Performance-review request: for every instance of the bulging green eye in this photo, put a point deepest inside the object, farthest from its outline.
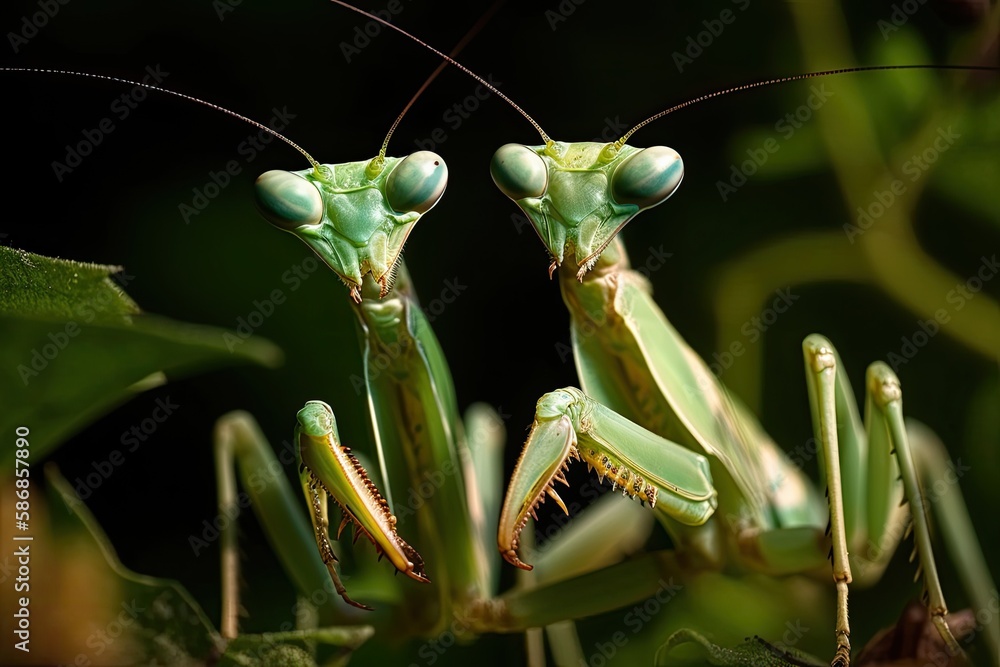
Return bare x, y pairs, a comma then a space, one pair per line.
648, 177
417, 183
519, 172
287, 200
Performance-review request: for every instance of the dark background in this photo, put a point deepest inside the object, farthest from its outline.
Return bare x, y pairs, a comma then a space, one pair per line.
606, 60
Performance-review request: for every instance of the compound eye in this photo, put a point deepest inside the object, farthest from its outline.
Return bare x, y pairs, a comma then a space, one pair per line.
648, 177
519, 172
417, 183
287, 200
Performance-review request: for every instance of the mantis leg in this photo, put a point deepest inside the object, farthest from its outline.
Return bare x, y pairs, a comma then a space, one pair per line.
238, 440
316, 500
569, 425
940, 476
861, 469
482, 463
821, 372
673, 480
589, 594
889, 450
631, 359
327, 470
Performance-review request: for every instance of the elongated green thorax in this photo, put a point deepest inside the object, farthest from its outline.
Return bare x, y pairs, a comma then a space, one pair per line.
356, 216
568, 425
578, 196
418, 437
342, 477
633, 361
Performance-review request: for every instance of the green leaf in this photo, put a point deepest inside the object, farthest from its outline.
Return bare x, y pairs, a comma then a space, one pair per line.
36, 287
75, 346
754, 652
279, 649
165, 624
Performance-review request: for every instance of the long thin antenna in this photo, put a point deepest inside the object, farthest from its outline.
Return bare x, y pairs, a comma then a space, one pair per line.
316, 165
473, 31
796, 77
451, 60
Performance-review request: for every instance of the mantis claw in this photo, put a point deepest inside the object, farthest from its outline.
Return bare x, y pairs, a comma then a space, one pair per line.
511, 557
559, 501
552, 267
332, 471
343, 524
343, 591
569, 425
385, 286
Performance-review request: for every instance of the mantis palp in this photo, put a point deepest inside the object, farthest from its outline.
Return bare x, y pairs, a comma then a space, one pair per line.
504, 254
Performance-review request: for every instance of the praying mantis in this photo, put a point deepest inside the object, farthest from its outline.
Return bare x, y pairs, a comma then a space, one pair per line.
498, 256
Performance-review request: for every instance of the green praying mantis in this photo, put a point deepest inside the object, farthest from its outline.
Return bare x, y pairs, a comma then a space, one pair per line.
698, 381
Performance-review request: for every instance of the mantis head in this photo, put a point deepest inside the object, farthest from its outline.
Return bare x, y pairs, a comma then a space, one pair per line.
356, 216
578, 196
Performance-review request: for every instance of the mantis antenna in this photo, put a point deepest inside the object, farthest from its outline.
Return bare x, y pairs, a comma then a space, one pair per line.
33, 70
449, 59
377, 163
784, 79
621, 142
473, 31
